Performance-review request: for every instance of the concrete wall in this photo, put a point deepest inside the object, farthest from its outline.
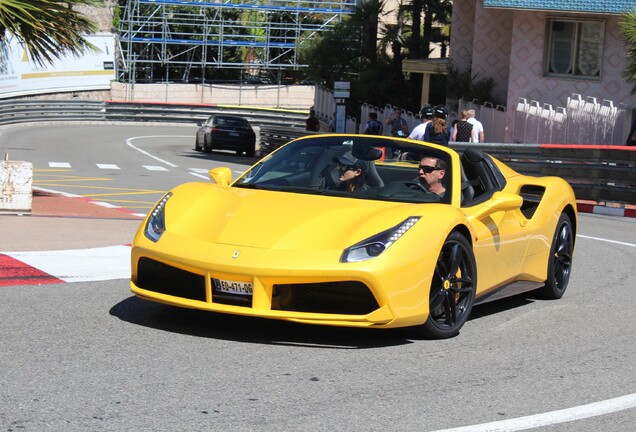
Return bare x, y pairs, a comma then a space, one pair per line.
269, 96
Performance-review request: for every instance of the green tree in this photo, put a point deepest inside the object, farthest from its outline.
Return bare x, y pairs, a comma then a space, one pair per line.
48, 29
628, 29
436, 12
394, 39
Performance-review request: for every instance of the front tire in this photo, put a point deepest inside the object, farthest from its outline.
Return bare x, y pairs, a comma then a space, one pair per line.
560, 261
452, 292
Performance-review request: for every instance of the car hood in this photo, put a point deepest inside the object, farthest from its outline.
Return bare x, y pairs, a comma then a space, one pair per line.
281, 220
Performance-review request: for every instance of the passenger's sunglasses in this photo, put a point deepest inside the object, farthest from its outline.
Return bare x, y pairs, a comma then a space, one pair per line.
428, 169
345, 168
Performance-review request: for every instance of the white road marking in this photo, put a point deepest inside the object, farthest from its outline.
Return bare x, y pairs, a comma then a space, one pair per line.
59, 165
546, 419
129, 143
199, 175
80, 265
155, 168
607, 241
107, 166
105, 204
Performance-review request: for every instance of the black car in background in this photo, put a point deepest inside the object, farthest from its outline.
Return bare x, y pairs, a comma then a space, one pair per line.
226, 132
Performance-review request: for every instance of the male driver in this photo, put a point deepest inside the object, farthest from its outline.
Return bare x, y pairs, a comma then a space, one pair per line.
431, 172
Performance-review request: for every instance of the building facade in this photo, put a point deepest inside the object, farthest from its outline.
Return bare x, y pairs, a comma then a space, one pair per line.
544, 51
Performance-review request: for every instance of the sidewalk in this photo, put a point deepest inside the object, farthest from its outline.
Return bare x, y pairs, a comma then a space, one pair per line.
60, 222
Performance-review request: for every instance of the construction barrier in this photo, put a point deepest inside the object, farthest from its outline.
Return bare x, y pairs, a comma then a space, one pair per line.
16, 180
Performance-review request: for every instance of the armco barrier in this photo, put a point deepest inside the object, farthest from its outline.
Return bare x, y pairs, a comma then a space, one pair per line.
273, 137
598, 173
27, 110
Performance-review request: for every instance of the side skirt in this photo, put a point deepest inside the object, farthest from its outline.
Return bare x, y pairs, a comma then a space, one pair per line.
508, 290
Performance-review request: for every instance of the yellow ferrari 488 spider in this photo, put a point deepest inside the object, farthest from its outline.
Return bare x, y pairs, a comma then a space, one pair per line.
324, 231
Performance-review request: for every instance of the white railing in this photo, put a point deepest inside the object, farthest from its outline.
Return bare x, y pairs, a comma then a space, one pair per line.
580, 122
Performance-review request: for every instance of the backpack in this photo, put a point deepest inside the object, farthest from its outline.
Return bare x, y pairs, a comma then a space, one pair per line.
374, 127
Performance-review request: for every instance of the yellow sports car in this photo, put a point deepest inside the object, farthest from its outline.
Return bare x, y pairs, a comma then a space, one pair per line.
325, 231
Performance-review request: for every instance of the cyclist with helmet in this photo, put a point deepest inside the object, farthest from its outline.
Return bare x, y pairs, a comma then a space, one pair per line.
437, 130
426, 115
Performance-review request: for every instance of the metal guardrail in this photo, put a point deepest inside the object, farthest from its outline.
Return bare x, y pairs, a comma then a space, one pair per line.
599, 173
29, 110
273, 137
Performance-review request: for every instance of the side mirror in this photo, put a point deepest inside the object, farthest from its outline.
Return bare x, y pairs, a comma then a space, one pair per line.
221, 176
500, 201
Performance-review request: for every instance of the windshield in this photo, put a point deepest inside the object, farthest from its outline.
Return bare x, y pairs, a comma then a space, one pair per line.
351, 166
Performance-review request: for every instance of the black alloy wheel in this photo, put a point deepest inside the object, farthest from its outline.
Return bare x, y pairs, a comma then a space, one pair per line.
560, 260
452, 292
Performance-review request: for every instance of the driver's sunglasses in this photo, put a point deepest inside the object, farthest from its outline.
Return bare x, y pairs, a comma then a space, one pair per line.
428, 169
345, 168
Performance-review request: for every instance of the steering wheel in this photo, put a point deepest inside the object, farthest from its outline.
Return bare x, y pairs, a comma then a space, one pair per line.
416, 186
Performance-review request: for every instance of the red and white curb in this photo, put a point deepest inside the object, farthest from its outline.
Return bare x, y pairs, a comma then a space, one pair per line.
605, 210
73, 265
92, 201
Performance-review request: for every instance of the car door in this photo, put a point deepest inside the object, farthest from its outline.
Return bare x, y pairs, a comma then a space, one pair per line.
500, 238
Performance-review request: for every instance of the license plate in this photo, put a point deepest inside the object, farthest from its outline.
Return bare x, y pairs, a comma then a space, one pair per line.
233, 287
234, 134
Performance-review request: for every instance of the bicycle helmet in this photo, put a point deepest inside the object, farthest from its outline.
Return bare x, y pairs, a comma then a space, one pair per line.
440, 111
426, 112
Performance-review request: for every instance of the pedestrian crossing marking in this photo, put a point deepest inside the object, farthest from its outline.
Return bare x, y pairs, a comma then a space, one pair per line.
155, 168
107, 166
59, 165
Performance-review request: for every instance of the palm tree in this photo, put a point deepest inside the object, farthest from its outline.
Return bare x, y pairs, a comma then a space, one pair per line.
48, 29
394, 38
435, 11
367, 15
628, 28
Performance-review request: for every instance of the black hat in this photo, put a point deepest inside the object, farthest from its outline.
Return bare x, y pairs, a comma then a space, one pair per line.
426, 112
441, 111
348, 160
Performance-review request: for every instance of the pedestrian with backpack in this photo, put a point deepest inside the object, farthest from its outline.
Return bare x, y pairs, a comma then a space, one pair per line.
373, 126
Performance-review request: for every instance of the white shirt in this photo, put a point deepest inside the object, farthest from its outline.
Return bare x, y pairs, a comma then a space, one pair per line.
418, 131
478, 128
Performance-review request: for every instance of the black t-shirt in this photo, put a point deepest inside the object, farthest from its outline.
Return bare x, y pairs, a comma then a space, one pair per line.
464, 131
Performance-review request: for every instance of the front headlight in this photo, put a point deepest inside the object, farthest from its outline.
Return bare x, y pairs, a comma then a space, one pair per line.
375, 245
156, 224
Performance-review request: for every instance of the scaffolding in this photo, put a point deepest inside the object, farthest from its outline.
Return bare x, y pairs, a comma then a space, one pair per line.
200, 41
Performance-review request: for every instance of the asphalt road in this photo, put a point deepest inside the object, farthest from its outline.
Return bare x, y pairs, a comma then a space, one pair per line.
91, 357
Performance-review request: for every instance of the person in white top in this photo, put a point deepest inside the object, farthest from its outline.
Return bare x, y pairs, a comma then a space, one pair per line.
426, 114
478, 128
